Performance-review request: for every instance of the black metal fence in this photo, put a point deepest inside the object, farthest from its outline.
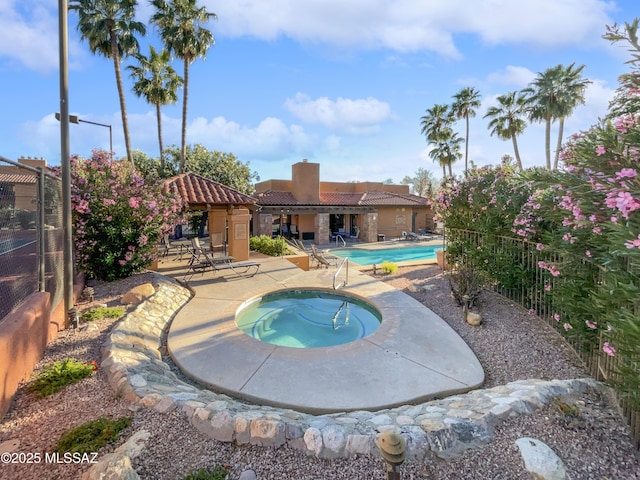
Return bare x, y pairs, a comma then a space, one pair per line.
513, 268
31, 233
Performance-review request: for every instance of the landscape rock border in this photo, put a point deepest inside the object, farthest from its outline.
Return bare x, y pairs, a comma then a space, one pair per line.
445, 428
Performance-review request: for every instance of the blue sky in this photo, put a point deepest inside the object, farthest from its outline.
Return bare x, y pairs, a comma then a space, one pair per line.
339, 83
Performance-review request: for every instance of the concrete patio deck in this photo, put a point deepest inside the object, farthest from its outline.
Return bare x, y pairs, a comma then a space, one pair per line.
413, 357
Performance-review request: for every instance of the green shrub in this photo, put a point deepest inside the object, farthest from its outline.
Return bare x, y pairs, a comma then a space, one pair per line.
218, 473
92, 436
269, 246
57, 375
389, 267
98, 313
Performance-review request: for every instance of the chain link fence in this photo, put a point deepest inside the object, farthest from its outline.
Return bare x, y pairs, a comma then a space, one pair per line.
31, 233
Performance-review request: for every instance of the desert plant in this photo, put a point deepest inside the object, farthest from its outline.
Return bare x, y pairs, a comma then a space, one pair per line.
55, 376
98, 313
217, 473
466, 285
92, 436
389, 267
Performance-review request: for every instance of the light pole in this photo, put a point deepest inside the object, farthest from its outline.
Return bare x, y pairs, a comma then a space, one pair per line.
75, 119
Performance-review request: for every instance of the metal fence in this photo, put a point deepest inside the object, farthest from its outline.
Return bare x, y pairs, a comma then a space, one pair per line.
31, 234
513, 271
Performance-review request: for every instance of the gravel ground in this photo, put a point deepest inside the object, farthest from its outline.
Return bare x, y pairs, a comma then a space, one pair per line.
511, 345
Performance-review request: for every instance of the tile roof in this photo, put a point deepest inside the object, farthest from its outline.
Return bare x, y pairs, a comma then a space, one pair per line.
339, 198
388, 198
271, 198
194, 189
276, 198
17, 178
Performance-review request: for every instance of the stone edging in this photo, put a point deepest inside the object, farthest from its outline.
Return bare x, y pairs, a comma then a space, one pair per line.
445, 428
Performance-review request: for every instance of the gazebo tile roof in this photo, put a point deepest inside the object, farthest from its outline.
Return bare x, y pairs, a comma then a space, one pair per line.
194, 189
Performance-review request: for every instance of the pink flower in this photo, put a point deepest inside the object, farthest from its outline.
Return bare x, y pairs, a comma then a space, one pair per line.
547, 288
539, 246
608, 349
556, 317
626, 172
588, 253
633, 243
591, 325
600, 150
567, 326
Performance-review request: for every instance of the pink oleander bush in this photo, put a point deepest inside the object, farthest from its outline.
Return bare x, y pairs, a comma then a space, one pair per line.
118, 218
581, 224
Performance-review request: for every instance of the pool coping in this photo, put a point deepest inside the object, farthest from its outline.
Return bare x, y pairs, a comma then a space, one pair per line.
400, 363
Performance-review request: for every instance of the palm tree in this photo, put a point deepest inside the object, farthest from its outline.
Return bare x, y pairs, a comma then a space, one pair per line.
156, 81
570, 95
110, 29
436, 118
507, 119
446, 150
436, 127
180, 23
466, 100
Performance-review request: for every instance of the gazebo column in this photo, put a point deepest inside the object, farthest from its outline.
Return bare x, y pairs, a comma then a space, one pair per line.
217, 227
239, 219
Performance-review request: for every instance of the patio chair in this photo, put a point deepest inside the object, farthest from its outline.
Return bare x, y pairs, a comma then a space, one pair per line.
322, 259
201, 262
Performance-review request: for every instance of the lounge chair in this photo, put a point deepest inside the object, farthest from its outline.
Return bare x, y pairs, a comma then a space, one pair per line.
167, 246
202, 262
323, 259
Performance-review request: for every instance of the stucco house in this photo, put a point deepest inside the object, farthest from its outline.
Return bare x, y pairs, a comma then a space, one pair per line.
311, 209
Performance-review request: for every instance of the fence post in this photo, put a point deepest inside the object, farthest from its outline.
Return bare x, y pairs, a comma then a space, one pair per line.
40, 230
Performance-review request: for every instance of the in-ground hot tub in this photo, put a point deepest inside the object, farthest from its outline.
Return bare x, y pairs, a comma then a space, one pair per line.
412, 357
308, 318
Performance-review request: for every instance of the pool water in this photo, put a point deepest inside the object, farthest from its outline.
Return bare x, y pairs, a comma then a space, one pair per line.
308, 318
363, 256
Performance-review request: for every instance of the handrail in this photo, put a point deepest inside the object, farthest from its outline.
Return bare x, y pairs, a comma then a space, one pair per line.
344, 243
346, 278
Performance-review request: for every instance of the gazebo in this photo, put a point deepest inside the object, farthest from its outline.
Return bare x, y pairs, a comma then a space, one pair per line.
228, 216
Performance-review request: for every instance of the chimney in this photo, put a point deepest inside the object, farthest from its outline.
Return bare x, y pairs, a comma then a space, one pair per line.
305, 179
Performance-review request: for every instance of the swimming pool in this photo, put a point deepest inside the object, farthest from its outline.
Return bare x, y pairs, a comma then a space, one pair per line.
307, 318
376, 256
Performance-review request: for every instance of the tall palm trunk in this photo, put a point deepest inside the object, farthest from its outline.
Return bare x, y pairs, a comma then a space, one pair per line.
159, 119
450, 171
516, 151
466, 149
547, 142
559, 144
123, 106
185, 99
444, 171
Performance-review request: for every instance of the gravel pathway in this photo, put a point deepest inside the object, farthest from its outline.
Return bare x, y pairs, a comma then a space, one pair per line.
511, 345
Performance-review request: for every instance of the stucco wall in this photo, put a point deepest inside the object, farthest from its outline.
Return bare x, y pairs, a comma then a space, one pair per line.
24, 335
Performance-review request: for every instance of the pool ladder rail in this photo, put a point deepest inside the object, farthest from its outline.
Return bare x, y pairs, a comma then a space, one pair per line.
344, 262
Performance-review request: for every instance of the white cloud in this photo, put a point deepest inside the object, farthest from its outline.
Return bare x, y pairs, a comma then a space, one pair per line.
518, 77
26, 33
357, 116
270, 138
407, 25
